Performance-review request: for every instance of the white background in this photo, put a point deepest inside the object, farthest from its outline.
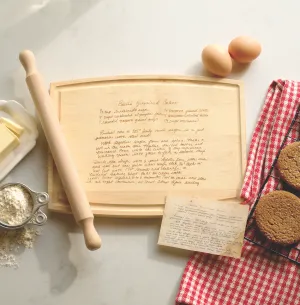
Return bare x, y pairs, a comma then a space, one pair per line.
90, 38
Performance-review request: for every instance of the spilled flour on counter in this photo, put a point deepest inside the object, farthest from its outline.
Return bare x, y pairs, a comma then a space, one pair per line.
11, 242
15, 207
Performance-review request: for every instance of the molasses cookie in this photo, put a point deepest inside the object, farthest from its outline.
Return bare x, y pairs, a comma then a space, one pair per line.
288, 165
278, 217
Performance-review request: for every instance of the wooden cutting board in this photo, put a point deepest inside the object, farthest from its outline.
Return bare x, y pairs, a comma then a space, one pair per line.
137, 139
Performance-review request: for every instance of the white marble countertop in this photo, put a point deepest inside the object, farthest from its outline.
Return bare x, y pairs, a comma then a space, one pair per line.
90, 38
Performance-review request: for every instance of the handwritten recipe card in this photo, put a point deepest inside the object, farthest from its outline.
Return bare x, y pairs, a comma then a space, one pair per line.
138, 142
215, 227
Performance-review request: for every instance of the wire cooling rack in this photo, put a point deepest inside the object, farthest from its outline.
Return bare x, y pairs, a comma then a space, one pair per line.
252, 233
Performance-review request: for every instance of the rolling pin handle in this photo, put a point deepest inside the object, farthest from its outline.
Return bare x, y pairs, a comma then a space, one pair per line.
91, 236
27, 60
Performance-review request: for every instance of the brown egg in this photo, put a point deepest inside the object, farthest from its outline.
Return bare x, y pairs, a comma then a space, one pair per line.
217, 60
244, 49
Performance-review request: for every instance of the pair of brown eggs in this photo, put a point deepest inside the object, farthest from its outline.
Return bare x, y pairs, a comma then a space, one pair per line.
218, 60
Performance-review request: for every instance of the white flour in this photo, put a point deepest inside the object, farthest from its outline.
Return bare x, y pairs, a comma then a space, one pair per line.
15, 207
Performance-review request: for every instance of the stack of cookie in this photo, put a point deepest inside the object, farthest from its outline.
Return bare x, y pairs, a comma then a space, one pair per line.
278, 213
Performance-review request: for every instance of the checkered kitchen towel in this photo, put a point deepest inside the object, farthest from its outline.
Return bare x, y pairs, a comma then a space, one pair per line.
259, 277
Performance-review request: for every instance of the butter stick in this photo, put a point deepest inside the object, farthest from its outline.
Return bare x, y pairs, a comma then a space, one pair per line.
8, 141
12, 126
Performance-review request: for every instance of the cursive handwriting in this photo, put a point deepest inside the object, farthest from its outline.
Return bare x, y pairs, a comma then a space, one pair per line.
205, 226
150, 111
139, 156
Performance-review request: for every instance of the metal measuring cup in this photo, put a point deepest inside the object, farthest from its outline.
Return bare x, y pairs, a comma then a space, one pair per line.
39, 200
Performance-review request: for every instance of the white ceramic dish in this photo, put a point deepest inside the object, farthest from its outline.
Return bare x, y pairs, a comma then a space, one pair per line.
16, 112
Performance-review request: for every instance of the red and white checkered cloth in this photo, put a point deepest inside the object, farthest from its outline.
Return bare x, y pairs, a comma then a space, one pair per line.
259, 277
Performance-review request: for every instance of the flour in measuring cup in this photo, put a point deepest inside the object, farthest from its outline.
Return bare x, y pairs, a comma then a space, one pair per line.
15, 205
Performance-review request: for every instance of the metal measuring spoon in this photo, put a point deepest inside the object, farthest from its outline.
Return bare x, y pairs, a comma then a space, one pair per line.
39, 200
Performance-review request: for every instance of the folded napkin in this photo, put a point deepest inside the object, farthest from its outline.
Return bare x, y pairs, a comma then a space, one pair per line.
259, 277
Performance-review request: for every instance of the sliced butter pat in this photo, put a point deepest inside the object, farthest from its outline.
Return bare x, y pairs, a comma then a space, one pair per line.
8, 141
14, 127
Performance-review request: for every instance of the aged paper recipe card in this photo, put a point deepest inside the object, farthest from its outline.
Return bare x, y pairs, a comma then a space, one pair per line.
210, 226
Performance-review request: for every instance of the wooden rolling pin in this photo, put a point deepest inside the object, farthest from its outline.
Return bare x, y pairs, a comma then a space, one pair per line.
60, 152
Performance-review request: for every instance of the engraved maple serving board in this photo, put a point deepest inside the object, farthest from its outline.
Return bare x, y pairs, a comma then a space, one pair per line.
137, 139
